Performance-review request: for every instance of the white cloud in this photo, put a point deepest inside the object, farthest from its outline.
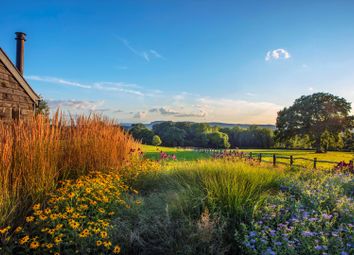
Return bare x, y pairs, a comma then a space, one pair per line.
145, 54
57, 81
277, 54
179, 114
140, 115
76, 105
123, 87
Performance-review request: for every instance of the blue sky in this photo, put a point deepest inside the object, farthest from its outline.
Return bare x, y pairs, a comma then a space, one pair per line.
199, 60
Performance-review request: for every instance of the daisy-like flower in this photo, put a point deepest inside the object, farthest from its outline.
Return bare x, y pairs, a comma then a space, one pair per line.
29, 219
34, 245
24, 240
116, 249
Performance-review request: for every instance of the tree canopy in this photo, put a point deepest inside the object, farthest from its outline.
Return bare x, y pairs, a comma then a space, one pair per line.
321, 117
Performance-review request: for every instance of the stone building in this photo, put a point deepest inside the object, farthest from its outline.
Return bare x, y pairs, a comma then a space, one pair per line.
17, 98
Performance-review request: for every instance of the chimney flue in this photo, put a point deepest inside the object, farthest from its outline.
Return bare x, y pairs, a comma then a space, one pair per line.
20, 47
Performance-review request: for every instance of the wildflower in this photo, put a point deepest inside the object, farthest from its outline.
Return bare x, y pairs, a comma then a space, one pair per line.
49, 245
71, 195
4, 230
36, 207
58, 239
69, 209
116, 249
103, 234
74, 224
84, 233
24, 240
98, 243
107, 244
18, 229
138, 202
29, 219
43, 217
34, 245
47, 211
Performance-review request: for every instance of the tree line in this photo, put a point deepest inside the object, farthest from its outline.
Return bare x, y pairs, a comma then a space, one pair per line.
202, 135
319, 121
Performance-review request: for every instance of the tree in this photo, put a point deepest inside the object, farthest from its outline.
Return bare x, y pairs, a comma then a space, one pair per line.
142, 133
218, 139
319, 116
156, 140
42, 107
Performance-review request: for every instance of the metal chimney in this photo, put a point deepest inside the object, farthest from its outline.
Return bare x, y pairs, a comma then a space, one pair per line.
20, 48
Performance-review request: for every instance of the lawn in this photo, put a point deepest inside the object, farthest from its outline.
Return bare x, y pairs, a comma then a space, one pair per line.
153, 152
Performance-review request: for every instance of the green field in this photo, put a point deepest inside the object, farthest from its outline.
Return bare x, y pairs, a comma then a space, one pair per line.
299, 156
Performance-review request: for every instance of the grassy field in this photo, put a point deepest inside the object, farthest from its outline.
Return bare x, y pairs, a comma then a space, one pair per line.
153, 152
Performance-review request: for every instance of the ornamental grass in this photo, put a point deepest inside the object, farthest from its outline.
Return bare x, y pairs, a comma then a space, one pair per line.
36, 153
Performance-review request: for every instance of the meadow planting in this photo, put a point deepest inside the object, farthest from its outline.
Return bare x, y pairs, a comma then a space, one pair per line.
86, 187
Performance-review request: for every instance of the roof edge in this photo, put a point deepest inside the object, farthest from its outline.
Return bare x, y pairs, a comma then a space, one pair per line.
18, 76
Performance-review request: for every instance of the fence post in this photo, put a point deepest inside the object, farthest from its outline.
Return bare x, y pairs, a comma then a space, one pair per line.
251, 155
314, 163
260, 157
274, 160
351, 165
291, 160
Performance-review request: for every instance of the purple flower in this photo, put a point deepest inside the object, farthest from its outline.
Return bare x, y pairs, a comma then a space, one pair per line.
318, 247
327, 216
253, 233
307, 233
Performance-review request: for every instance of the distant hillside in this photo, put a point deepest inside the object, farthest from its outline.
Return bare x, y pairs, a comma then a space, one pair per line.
213, 124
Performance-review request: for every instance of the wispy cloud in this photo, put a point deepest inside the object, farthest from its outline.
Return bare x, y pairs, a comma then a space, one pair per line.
147, 55
139, 115
57, 81
76, 105
179, 114
277, 54
128, 88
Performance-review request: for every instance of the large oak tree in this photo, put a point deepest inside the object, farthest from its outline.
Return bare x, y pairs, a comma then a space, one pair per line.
317, 116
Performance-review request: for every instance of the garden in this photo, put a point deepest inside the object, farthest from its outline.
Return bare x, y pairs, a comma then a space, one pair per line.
85, 186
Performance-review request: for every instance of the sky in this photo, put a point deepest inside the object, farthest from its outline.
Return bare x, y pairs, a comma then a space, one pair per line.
193, 60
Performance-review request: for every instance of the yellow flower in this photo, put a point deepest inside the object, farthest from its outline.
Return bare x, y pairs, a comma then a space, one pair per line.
58, 239
43, 217
47, 211
103, 234
137, 202
24, 240
69, 209
107, 244
56, 253
36, 207
4, 230
88, 190
34, 245
51, 231
49, 245
53, 216
18, 229
111, 213
101, 210
116, 249
38, 212
29, 218
74, 225
98, 243
59, 226
71, 195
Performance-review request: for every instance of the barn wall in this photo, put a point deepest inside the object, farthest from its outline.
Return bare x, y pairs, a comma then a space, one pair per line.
14, 101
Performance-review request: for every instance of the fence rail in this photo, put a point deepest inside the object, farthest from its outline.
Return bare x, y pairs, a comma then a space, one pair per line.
274, 158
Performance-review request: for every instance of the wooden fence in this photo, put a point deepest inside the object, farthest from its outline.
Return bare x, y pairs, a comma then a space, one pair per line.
273, 158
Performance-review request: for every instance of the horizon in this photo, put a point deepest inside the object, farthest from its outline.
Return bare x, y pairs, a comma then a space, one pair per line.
201, 61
